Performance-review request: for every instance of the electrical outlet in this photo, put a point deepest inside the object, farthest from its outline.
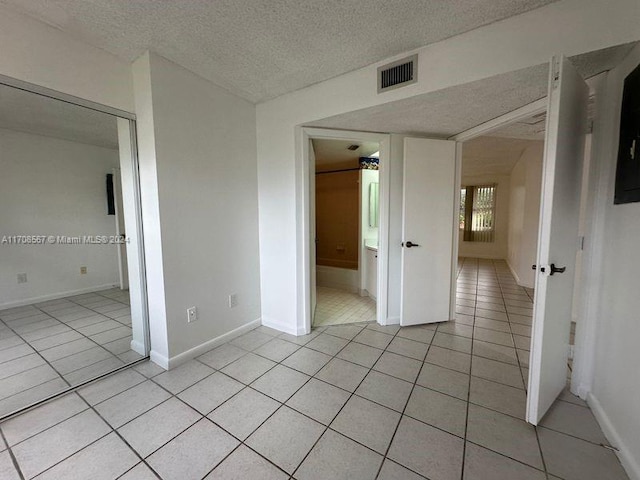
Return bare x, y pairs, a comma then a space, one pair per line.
233, 300
192, 314
22, 278
83, 270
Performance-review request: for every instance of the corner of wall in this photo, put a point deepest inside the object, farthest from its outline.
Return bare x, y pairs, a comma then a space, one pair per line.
626, 457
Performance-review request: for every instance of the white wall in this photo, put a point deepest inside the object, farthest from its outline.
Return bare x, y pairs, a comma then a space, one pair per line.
35, 52
611, 324
367, 177
497, 248
518, 42
524, 214
54, 187
368, 234
200, 140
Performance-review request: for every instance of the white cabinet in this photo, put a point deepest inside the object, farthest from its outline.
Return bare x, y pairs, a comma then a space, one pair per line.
372, 271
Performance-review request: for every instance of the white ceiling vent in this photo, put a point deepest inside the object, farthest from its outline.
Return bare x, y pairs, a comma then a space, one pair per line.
398, 74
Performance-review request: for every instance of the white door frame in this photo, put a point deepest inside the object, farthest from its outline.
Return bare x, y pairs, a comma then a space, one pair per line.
303, 220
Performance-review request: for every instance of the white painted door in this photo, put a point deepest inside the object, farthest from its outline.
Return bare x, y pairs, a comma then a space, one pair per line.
428, 229
312, 234
558, 236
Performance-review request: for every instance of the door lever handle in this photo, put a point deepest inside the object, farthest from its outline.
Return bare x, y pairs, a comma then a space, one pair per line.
410, 244
555, 269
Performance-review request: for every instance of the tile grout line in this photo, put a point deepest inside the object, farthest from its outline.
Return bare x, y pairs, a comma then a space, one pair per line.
466, 421
526, 386
46, 362
344, 404
283, 404
13, 458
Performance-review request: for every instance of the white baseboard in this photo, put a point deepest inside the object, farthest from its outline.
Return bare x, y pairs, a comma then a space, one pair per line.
516, 277
55, 296
513, 272
137, 347
159, 359
282, 327
393, 321
184, 357
630, 464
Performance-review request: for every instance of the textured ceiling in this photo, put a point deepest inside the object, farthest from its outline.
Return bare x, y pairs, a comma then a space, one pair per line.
261, 49
528, 129
335, 154
453, 110
492, 155
32, 113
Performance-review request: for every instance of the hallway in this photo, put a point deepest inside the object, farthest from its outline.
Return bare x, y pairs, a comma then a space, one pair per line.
444, 402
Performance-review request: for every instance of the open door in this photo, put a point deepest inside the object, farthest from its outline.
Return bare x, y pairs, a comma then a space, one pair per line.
428, 226
312, 234
558, 236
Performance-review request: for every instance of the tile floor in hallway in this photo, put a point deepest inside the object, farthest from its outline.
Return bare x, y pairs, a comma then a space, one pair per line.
351, 402
49, 346
334, 306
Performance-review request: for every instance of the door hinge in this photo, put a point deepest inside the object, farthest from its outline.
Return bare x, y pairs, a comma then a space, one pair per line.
556, 73
581, 243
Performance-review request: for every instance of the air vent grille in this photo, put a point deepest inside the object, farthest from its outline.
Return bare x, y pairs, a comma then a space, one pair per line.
398, 74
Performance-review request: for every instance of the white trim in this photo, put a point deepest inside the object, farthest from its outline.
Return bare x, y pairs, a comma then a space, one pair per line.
56, 296
393, 320
457, 182
183, 357
283, 327
604, 143
159, 359
65, 97
303, 256
514, 274
138, 347
630, 464
521, 113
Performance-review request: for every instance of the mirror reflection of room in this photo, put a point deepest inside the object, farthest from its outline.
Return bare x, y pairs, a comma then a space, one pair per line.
68, 242
347, 216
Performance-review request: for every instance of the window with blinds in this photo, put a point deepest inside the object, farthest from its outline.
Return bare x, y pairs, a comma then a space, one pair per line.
477, 213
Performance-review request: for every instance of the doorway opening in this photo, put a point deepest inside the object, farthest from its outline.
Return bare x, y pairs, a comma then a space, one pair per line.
498, 223
346, 224
345, 227
511, 173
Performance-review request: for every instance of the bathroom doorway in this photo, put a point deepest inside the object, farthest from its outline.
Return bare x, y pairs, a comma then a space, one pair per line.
347, 227
347, 220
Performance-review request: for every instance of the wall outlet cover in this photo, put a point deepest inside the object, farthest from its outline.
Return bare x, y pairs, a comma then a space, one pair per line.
233, 300
192, 314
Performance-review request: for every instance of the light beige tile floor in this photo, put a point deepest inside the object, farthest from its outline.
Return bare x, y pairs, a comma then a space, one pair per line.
345, 402
47, 347
335, 307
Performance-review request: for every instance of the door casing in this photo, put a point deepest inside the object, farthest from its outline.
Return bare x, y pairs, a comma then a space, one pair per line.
304, 230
